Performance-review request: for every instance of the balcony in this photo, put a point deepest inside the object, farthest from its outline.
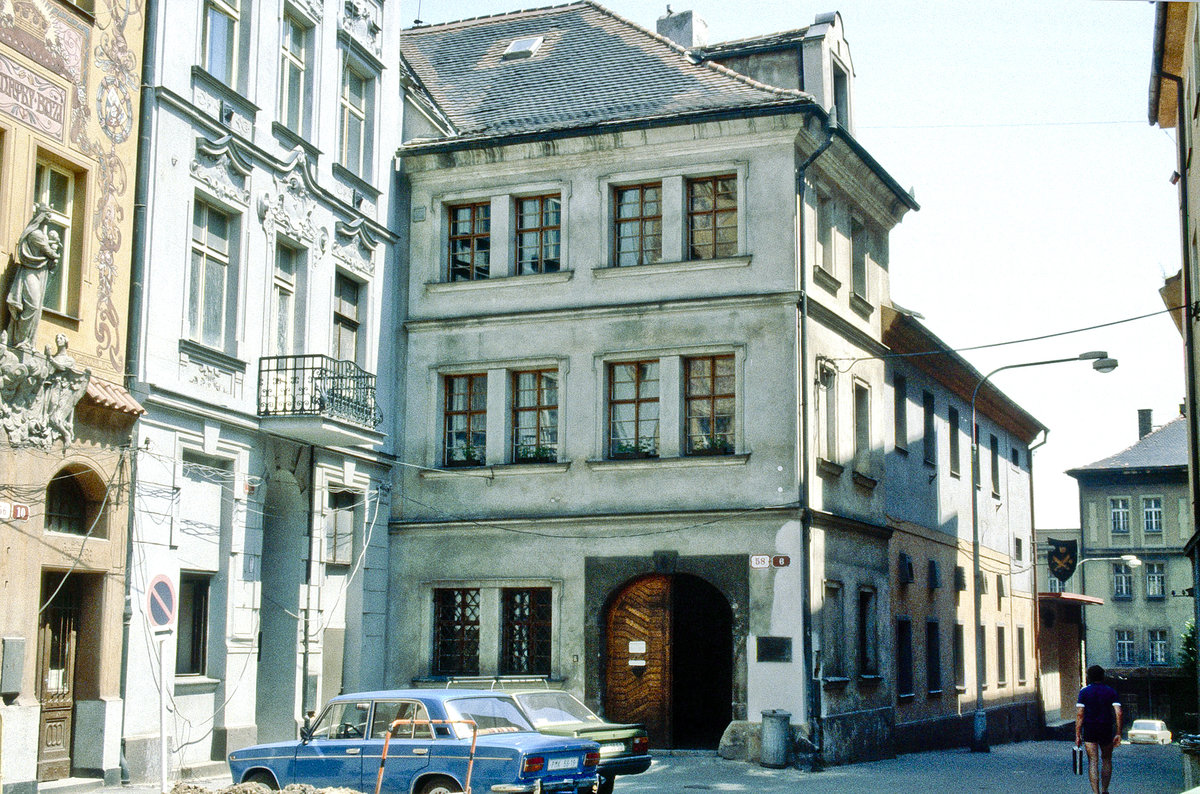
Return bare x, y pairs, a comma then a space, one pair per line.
318, 400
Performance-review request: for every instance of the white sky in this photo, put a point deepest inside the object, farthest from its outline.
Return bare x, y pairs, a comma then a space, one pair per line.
1046, 204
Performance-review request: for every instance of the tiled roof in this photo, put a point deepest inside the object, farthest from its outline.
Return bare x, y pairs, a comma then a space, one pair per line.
1165, 447
593, 68
110, 395
768, 41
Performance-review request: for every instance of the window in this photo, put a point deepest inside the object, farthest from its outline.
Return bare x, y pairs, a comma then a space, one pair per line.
66, 505
900, 396
293, 74
952, 431
465, 420
191, 648
1156, 580
1152, 514
345, 318
1122, 581
827, 408
470, 241
904, 659
344, 720
825, 259
1019, 549
862, 426
355, 121
525, 631
858, 259
833, 618
934, 575
633, 410
211, 281
712, 217
539, 220
1056, 584
388, 711
1124, 646
287, 310
960, 578
933, 657
339, 527
1015, 456
959, 653
1119, 511
1158, 646
709, 403
868, 647
456, 631
221, 40
54, 188
535, 416
1020, 654
841, 95
1001, 657
906, 571
638, 217
994, 449
929, 429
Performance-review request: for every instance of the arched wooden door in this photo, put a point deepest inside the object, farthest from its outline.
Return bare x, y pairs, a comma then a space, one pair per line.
669, 660
58, 637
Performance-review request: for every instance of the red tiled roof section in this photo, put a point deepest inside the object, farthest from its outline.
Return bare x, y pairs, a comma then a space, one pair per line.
112, 396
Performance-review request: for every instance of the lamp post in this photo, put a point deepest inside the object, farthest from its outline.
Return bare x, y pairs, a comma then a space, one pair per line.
1101, 363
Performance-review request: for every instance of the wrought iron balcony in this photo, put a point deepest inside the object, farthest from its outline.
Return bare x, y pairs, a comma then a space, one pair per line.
318, 399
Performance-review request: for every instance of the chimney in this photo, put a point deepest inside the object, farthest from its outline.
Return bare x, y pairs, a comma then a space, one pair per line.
1145, 424
683, 28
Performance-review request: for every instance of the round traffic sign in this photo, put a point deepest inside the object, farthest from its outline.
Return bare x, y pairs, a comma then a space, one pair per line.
160, 601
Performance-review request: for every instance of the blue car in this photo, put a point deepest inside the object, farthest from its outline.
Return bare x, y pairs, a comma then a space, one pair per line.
446, 740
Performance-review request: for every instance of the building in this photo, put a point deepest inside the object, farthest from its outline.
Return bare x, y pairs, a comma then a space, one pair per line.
263, 468
1136, 502
645, 459
68, 142
928, 485
1173, 104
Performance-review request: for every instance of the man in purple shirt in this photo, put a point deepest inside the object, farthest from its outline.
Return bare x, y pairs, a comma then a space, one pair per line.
1098, 727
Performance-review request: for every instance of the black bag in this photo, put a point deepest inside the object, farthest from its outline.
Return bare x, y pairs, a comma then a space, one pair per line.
1078, 760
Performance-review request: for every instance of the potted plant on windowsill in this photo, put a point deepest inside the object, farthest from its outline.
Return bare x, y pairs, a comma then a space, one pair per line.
646, 448
711, 445
536, 454
466, 455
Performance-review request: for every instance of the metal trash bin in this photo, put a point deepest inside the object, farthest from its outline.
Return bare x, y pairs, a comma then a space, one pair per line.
776, 738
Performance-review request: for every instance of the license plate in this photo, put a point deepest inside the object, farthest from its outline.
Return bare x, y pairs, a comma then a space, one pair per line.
555, 764
612, 749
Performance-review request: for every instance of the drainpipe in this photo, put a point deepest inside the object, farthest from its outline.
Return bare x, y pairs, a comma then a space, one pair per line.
305, 705
1033, 560
1189, 333
137, 255
814, 687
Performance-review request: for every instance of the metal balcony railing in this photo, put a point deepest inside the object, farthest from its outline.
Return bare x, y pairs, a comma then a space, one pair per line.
315, 385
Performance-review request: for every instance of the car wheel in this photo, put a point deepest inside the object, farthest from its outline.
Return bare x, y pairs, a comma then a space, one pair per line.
606, 785
262, 778
441, 785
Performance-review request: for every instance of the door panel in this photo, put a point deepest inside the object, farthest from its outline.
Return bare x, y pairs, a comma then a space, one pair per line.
638, 667
58, 633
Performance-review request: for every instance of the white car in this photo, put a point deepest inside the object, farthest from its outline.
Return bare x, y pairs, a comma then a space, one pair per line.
1149, 732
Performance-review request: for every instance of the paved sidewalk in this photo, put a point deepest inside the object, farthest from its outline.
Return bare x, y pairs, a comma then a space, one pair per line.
1022, 767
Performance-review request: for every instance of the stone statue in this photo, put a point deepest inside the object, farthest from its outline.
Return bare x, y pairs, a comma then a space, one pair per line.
38, 253
63, 387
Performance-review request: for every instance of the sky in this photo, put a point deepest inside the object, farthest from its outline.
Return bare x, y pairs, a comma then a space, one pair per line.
1046, 201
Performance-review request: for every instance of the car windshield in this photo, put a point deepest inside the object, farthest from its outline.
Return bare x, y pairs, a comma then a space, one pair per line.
497, 714
554, 708
1145, 725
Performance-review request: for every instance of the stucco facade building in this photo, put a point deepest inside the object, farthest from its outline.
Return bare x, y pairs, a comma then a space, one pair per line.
263, 475
68, 140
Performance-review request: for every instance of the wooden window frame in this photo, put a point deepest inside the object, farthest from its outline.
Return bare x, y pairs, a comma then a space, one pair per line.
293, 62
545, 236
343, 320
545, 450
704, 406
356, 162
640, 449
478, 241
339, 501
204, 250
473, 416
644, 252
231, 10
715, 215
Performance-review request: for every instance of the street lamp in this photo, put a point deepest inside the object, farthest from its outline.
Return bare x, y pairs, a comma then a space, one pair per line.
1101, 363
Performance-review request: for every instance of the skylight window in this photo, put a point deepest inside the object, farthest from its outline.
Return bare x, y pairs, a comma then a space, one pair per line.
523, 48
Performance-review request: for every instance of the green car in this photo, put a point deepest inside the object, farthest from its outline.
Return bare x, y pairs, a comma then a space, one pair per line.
624, 749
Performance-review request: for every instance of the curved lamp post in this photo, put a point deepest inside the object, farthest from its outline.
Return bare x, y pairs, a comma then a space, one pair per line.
1101, 363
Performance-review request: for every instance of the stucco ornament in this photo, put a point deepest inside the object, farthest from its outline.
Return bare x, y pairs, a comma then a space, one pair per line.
289, 208
38, 394
38, 253
361, 20
354, 246
221, 166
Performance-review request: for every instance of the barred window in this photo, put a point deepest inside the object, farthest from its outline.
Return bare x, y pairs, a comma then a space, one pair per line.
456, 631
525, 631
66, 505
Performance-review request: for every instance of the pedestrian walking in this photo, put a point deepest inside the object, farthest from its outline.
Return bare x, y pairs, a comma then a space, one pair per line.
1098, 727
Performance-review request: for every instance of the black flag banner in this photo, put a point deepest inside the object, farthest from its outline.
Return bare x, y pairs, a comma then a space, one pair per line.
1063, 557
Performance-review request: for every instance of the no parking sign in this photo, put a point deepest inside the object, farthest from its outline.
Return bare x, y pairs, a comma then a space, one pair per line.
160, 601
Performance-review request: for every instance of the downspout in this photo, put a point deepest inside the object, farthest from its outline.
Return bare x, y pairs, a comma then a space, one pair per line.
137, 255
1037, 617
814, 687
1189, 334
305, 705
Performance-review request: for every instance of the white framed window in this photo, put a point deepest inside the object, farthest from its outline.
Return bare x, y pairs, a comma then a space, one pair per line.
1122, 581
221, 22
1156, 580
355, 108
212, 296
54, 187
343, 514
294, 55
862, 426
859, 245
1123, 639
1118, 508
827, 410
288, 303
1152, 515
825, 259
1158, 646
347, 318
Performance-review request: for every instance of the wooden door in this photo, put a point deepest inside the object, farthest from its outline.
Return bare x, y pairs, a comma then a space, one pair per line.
58, 633
638, 665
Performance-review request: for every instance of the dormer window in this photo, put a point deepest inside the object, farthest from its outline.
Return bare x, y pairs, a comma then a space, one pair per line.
523, 48
841, 95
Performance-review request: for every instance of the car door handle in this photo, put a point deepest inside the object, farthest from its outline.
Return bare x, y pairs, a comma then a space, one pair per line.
420, 751
353, 750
